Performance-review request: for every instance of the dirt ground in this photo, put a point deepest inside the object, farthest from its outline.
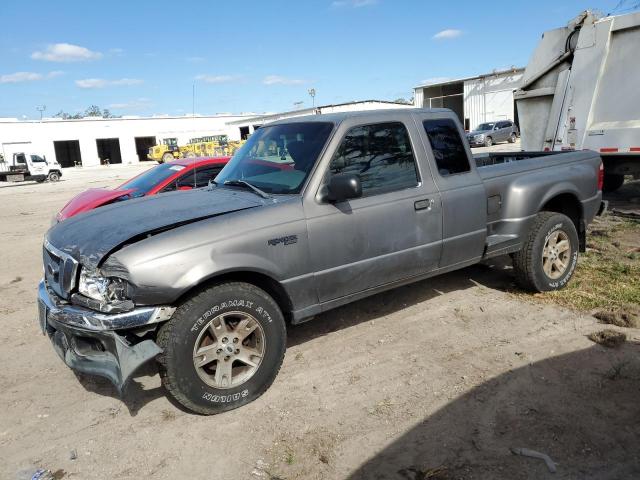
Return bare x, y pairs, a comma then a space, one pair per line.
435, 380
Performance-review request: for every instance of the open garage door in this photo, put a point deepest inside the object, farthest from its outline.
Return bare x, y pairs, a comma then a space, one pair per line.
109, 150
68, 153
143, 144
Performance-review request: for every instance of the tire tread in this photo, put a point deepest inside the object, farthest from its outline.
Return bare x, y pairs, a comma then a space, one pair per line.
523, 259
166, 332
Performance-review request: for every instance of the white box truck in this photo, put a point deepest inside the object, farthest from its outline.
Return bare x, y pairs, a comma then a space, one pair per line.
20, 166
581, 90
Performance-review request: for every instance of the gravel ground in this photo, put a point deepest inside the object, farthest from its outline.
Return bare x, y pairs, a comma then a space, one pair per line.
435, 380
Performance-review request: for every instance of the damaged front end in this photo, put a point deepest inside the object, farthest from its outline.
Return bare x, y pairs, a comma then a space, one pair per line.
92, 323
108, 345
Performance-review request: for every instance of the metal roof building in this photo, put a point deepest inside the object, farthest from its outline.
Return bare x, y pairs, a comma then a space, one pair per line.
89, 141
476, 99
246, 126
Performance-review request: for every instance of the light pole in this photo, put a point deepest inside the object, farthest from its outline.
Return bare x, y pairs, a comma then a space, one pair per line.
41, 108
312, 94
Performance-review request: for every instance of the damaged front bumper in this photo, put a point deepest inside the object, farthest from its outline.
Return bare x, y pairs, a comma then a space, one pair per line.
93, 342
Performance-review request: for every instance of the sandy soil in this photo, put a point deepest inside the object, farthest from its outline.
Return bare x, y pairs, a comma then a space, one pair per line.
435, 380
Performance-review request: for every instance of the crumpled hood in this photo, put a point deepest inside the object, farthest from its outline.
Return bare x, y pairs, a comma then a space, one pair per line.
90, 236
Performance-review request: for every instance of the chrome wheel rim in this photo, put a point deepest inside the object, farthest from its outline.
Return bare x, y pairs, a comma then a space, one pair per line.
229, 350
556, 255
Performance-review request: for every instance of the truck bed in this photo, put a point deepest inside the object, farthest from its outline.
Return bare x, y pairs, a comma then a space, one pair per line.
492, 165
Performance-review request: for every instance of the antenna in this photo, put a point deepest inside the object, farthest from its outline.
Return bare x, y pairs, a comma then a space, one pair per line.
41, 108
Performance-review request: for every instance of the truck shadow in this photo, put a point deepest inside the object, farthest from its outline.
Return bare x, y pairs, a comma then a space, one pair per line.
494, 274
580, 408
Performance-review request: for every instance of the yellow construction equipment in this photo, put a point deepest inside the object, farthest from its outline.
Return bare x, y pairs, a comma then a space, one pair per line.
166, 151
210, 146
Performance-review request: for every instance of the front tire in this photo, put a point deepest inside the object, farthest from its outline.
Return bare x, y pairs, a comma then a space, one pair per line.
549, 255
222, 348
53, 176
167, 157
512, 138
488, 142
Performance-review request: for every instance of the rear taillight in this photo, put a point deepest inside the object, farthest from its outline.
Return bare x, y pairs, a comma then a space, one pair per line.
601, 177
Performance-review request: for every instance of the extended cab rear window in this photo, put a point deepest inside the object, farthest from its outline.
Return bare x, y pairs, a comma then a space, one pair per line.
447, 146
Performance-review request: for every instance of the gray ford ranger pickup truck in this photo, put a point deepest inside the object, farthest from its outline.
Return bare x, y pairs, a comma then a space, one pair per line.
310, 214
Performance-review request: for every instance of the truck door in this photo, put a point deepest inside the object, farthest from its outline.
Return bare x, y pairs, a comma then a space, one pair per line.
464, 201
37, 165
390, 233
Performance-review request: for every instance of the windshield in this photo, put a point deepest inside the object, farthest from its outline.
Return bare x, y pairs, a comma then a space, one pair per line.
149, 179
37, 159
278, 159
486, 126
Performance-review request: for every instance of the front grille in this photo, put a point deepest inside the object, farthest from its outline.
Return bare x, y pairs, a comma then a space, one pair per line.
60, 270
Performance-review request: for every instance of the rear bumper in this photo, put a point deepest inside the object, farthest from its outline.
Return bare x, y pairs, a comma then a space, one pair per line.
87, 342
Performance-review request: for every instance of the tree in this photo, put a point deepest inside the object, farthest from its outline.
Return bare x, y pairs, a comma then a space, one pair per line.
91, 111
404, 100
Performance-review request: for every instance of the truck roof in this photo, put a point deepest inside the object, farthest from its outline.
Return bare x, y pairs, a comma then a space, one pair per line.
339, 117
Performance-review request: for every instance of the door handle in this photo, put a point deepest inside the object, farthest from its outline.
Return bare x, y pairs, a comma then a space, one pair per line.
425, 204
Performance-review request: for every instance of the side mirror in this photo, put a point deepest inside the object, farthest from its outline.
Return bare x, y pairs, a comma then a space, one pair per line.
341, 187
185, 187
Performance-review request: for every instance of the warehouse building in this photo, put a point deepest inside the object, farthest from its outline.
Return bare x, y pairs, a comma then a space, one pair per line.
475, 100
246, 126
93, 141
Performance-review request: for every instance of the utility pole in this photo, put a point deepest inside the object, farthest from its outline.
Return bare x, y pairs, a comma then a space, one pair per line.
41, 108
312, 94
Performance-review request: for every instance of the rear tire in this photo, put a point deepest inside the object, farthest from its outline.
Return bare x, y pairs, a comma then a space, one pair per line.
208, 364
488, 142
549, 255
167, 157
612, 182
190, 155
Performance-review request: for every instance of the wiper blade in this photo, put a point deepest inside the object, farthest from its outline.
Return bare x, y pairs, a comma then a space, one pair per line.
244, 183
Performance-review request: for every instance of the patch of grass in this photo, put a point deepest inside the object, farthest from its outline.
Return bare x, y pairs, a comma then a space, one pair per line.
608, 338
608, 274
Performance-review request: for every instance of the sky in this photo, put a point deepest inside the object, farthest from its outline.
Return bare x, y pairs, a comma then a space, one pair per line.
140, 57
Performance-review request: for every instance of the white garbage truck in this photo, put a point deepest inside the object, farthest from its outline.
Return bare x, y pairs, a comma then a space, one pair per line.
581, 90
21, 166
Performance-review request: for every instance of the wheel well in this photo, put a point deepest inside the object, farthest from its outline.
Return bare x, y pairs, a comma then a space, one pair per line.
569, 205
264, 282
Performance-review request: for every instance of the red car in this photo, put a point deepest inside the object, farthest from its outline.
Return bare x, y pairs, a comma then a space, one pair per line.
181, 174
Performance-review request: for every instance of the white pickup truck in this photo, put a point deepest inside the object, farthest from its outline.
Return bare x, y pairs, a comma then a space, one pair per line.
28, 166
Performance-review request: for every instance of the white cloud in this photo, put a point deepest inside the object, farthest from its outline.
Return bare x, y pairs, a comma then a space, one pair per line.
133, 104
278, 80
20, 77
66, 52
102, 83
353, 3
218, 78
447, 34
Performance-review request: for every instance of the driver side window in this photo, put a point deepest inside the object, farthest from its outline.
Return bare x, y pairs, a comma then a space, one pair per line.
380, 154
